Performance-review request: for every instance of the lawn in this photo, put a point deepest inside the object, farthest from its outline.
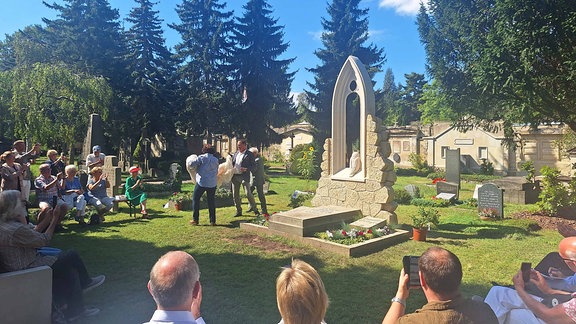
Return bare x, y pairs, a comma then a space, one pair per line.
239, 268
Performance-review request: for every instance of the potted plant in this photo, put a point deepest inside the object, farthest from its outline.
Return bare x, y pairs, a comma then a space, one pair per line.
422, 220
178, 199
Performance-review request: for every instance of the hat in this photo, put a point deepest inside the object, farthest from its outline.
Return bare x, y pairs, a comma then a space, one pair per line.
134, 169
96, 148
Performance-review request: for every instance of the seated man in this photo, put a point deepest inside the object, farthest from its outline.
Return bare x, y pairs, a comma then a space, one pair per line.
57, 163
440, 277
175, 286
518, 306
18, 251
48, 191
98, 196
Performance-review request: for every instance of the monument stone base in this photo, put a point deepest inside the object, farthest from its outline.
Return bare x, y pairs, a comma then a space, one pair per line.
305, 221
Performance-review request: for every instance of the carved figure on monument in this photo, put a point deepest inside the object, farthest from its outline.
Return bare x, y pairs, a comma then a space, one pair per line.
355, 164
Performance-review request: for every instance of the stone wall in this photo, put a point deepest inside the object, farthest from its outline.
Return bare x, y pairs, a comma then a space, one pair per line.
374, 196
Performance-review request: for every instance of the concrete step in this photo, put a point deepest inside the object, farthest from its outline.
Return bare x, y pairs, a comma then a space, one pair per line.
305, 221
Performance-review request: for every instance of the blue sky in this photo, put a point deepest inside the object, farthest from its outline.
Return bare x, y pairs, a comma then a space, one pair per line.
392, 26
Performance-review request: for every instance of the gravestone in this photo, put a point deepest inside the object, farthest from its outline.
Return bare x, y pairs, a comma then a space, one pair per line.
114, 174
94, 136
453, 166
173, 171
491, 197
412, 190
447, 187
305, 221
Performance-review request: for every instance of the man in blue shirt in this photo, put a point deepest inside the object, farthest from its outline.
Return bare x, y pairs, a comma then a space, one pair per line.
206, 179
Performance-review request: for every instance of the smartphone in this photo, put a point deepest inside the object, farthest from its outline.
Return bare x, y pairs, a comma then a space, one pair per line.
525, 268
410, 264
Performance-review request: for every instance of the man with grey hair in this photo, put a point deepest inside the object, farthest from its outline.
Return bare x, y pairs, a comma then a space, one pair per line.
175, 286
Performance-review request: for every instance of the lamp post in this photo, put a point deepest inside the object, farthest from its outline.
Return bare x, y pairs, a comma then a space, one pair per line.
292, 141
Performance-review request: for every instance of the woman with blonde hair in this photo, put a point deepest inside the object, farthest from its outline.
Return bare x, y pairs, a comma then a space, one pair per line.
301, 295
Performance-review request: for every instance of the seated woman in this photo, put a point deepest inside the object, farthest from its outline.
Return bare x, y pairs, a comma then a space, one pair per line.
134, 190
300, 295
73, 193
18, 251
97, 195
11, 172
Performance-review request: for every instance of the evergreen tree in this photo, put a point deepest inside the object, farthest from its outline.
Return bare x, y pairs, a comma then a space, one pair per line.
87, 37
411, 98
264, 78
150, 65
345, 33
204, 75
387, 99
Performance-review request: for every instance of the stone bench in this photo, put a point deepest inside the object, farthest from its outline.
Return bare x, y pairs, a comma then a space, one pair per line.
26, 296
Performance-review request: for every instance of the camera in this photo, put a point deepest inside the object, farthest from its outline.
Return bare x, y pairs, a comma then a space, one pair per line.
410, 264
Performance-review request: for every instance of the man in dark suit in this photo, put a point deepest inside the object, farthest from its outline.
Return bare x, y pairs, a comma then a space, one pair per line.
243, 162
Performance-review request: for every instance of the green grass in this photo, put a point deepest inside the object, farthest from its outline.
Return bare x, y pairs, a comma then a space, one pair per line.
239, 268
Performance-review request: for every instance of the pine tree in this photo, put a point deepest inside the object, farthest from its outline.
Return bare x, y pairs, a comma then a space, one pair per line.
345, 33
264, 78
205, 53
387, 99
151, 67
88, 37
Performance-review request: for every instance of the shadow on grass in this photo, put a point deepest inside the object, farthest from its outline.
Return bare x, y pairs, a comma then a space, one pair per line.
483, 230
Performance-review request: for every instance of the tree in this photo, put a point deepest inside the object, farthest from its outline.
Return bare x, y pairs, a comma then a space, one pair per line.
410, 98
387, 99
25, 47
264, 78
503, 60
345, 33
151, 69
207, 96
51, 104
434, 105
87, 37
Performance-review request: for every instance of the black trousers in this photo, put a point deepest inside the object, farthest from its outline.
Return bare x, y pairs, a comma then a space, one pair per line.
69, 277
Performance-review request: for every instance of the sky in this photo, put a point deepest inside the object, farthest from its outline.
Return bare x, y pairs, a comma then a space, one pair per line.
392, 26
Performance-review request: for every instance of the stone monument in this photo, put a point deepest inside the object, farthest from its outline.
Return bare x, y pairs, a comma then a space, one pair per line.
370, 188
94, 136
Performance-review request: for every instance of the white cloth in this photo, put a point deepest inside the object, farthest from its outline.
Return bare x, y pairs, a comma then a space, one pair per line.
174, 317
238, 161
509, 307
191, 166
225, 171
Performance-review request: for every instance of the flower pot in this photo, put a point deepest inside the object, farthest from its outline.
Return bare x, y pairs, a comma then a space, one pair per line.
419, 234
177, 206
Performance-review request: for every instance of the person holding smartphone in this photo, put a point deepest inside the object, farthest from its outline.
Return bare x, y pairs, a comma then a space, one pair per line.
440, 277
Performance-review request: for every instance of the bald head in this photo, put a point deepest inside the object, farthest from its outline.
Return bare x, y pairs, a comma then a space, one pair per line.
567, 248
441, 269
173, 280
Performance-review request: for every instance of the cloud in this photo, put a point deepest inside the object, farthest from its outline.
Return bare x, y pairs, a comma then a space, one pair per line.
402, 7
316, 35
378, 34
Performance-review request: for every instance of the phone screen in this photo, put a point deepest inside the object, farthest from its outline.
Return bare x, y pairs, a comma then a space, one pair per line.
410, 264
525, 268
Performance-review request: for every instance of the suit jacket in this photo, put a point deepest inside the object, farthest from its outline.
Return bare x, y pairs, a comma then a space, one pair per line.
247, 162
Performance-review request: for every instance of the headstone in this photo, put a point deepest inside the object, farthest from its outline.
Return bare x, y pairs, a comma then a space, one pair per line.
413, 191
447, 187
305, 221
453, 166
396, 158
491, 197
114, 174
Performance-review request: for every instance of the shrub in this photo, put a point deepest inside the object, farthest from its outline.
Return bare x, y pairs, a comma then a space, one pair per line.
554, 194
425, 217
402, 196
307, 163
430, 202
486, 168
298, 198
436, 175
528, 166
420, 164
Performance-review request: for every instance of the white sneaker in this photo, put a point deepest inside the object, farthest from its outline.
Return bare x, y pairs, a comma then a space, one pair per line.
94, 282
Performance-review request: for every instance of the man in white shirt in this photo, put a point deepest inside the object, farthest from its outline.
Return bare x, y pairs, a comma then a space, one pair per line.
243, 162
175, 286
96, 158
